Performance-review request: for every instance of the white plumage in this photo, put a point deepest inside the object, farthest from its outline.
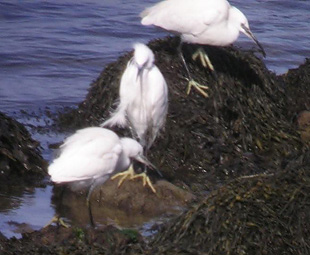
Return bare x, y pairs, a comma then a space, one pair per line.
143, 101
207, 22
93, 153
90, 156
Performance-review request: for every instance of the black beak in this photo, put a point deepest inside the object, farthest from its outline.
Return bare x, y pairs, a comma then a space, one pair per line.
146, 162
249, 34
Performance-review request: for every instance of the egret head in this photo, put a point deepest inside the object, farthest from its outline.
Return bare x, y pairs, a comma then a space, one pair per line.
143, 56
131, 147
134, 150
241, 22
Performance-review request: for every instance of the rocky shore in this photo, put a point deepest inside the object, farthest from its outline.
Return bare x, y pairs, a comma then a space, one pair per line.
238, 160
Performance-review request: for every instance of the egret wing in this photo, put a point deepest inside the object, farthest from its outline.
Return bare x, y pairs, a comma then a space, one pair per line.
89, 153
85, 137
158, 97
82, 168
186, 16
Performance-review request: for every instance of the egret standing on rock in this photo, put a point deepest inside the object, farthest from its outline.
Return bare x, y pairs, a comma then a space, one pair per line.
206, 22
143, 101
90, 156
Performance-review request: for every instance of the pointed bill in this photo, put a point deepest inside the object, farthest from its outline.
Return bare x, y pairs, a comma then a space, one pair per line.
146, 162
251, 36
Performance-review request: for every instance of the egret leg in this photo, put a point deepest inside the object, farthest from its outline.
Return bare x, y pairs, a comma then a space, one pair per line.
95, 183
143, 175
206, 62
56, 219
90, 214
200, 88
145, 179
124, 175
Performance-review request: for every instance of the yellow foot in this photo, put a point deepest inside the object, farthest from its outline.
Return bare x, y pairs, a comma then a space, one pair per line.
58, 220
196, 85
126, 174
205, 61
146, 180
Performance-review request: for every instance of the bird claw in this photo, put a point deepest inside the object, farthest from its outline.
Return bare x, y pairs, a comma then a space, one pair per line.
205, 61
58, 220
129, 173
146, 181
196, 85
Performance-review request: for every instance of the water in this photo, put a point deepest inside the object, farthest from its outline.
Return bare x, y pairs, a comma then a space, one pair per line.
30, 212
50, 51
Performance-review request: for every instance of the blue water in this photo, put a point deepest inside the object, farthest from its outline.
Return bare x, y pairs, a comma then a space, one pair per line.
50, 51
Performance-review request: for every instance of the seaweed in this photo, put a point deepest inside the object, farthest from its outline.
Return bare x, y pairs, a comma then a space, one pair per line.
239, 150
20, 156
240, 129
260, 214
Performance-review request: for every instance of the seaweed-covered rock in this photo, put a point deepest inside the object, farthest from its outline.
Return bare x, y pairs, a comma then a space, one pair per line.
263, 214
240, 143
240, 129
20, 157
259, 214
53, 240
297, 89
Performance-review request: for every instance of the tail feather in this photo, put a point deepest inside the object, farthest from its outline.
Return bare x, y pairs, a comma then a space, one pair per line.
118, 118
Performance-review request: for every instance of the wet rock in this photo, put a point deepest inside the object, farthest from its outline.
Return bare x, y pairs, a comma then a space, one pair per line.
240, 129
20, 227
129, 205
134, 197
20, 158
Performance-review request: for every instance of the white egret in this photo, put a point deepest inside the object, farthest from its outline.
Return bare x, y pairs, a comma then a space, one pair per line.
90, 156
205, 22
143, 101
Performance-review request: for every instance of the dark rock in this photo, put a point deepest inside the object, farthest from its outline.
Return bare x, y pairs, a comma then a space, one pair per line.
241, 128
53, 240
240, 143
262, 214
20, 158
297, 84
2, 237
